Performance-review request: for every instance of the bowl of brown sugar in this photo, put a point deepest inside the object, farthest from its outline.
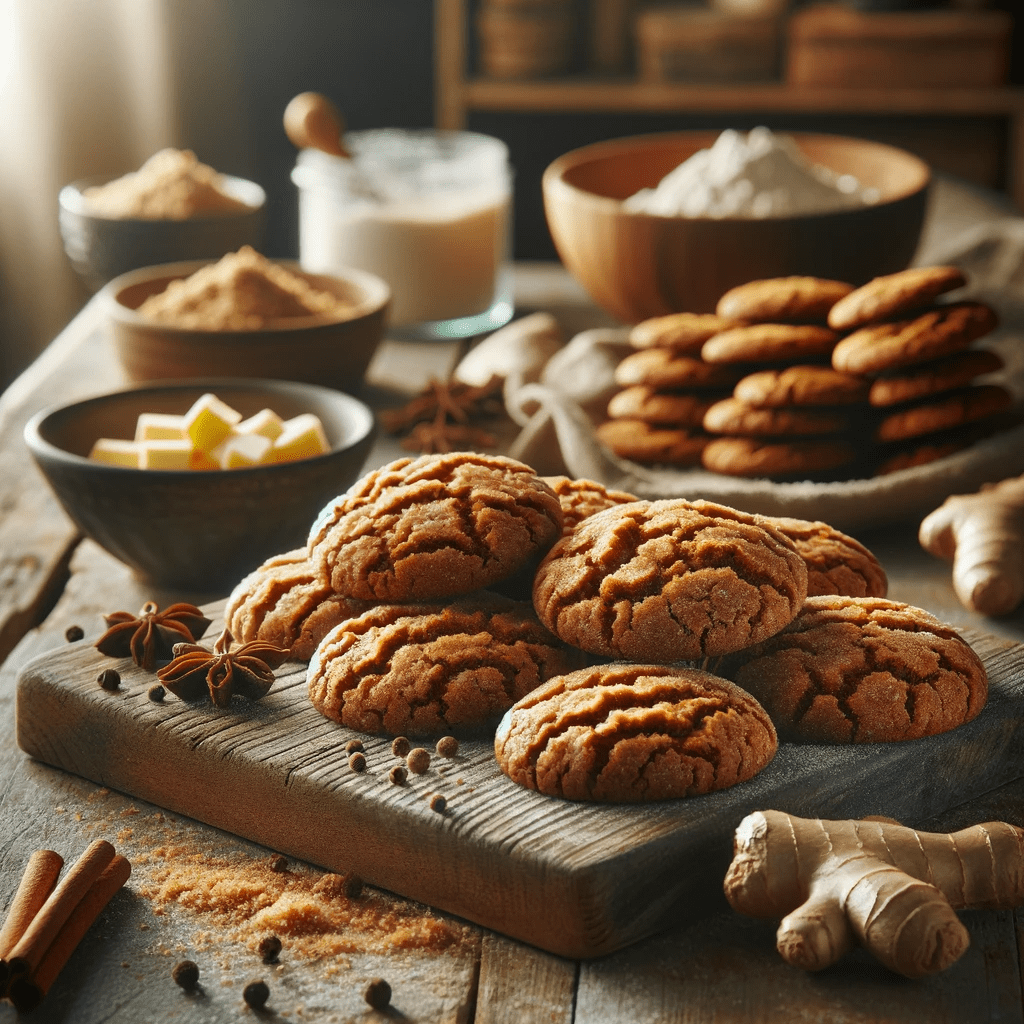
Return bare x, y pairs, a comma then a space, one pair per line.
246, 316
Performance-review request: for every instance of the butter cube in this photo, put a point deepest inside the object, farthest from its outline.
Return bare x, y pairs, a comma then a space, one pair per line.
209, 421
243, 450
303, 437
202, 460
115, 452
265, 422
165, 454
159, 426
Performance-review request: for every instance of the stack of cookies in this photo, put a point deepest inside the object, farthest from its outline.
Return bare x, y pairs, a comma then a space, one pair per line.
825, 381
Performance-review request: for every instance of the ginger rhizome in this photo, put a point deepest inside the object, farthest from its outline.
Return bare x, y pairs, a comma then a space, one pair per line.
983, 535
891, 888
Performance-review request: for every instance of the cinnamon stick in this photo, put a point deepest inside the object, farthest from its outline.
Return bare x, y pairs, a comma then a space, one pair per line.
37, 882
39, 935
26, 992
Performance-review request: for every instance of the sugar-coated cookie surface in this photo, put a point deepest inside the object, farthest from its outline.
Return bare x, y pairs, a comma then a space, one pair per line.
782, 298
893, 295
419, 670
632, 733
433, 527
669, 580
581, 498
682, 332
861, 670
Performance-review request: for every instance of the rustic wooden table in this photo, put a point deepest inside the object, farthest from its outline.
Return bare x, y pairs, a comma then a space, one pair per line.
725, 968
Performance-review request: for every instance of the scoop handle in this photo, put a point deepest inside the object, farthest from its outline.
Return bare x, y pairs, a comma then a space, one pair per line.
312, 121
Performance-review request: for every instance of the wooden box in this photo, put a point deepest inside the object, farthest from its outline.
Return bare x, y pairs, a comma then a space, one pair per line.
832, 45
685, 44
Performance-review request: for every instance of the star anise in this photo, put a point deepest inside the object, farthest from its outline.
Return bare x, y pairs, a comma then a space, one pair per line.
152, 634
248, 670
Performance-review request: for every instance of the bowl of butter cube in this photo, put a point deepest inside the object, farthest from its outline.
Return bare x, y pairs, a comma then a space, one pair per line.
194, 483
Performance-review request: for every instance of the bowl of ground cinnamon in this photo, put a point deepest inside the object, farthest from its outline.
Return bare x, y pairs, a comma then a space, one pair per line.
246, 316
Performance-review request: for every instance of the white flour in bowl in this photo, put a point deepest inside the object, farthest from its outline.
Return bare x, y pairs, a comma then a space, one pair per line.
758, 175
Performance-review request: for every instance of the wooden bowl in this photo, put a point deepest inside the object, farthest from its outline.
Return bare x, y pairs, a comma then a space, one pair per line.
195, 529
101, 248
332, 352
638, 265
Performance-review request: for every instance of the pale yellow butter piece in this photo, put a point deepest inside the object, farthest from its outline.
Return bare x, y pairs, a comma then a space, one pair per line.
243, 450
265, 422
116, 452
159, 426
202, 460
209, 421
165, 454
303, 437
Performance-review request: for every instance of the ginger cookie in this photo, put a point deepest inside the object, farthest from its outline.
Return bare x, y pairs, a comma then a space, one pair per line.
783, 299
925, 379
433, 527
795, 458
864, 670
661, 408
736, 417
894, 295
652, 445
921, 455
669, 580
664, 369
284, 602
684, 333
420, 670
580, 499
769, 343
801, 385
633, 733
941, 331
955, 409
836, 563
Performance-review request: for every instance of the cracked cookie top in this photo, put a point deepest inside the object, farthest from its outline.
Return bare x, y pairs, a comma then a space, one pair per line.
668, 581
420, 670
433, 527
862, 670
634, 733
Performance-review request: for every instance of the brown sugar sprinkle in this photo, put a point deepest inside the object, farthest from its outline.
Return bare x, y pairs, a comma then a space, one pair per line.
109, 679
397, 775
357, 762
73, 634
438, 803
377, 993
278, 863
269, 948
186, 974
353, 745
256, 994
418, 760
447, 746
400, 746
155, 693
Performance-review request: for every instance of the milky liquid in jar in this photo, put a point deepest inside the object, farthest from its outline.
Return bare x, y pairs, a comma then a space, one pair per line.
428, 211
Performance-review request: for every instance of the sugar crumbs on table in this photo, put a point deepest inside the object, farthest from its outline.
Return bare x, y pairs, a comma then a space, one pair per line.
353, 745
256, 994
397, 775
278, 864
377, 993
418, 760
109, 679
447, 746
269, 948
400, 746
357, 762
186, 974
156, 693
73, 634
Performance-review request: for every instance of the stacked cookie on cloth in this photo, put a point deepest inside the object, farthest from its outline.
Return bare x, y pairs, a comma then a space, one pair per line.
826, 381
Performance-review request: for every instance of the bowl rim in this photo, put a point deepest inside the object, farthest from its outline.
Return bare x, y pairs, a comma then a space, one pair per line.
71, 199
376, 290
553, 179
39, 447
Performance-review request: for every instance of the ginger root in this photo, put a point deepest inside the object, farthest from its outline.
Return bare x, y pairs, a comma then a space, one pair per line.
890, 887
983, 535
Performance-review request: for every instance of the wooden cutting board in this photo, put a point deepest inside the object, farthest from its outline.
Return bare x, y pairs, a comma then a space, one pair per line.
578, 880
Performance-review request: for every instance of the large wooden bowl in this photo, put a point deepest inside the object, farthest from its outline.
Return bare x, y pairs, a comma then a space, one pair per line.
331, 352
637, 265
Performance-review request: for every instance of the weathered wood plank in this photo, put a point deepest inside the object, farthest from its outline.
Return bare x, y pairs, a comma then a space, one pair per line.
522, 983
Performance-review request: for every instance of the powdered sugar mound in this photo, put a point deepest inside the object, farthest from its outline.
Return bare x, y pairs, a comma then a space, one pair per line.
758, 175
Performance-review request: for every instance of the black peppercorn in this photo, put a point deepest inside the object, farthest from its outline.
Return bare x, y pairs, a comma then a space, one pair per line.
400, 746
397, 775
378, 993
109, 679
156, 694
186, 974
256, 994
353, 745
73, 633
357, 762
438, 803
269, 948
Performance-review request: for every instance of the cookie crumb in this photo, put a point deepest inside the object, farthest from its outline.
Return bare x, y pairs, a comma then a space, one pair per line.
438, 803
269, 948
156, 694
353, 745
397, 775
278, 864
418, 760
357, 762
447, 746
400, 746
186, 974
378, 993
256, 994
73, 633
109, 679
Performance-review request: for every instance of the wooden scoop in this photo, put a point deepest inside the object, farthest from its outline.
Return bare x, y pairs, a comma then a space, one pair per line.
312, 121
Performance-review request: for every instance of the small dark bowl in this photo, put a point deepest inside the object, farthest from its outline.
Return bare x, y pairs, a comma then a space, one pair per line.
101, 248
193, 529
